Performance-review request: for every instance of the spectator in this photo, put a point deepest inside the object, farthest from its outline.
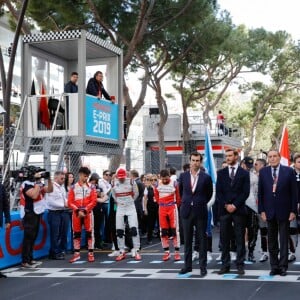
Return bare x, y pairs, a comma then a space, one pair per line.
4, 210
232, 191
71, 85
58, 217
105, 185
71, 88
150, 207
220, 123
134, 175
97, 210
277, 204
263, 227
173, 175
251, 207
69, 182
293, 238
196, 190
95, 87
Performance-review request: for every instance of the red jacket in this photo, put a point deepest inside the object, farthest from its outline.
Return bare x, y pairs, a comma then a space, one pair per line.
82, 197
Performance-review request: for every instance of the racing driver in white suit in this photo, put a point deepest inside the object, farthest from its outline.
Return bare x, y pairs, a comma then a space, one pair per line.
125, 191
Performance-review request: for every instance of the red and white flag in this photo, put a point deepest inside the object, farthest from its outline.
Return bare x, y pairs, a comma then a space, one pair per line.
284, 148
43, 109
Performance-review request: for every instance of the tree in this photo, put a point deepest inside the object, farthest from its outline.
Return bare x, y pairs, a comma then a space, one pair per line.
242, 51
277, 95
131, 25
7, 84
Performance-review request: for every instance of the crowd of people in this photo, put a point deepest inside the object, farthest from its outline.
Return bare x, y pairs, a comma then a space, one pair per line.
120, 208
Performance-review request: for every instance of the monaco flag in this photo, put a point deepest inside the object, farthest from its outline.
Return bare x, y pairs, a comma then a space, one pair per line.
284, 148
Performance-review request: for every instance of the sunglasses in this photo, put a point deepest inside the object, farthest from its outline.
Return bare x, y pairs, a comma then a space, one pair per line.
107, 174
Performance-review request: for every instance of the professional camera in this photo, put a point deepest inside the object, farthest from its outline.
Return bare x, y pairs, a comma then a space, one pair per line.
30, 173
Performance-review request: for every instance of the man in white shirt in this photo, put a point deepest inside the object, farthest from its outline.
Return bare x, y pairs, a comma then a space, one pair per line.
58, 217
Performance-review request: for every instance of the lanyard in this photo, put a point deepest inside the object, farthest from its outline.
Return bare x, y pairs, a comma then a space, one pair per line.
194, 180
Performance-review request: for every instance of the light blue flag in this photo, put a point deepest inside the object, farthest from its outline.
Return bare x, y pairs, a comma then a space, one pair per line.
209, 163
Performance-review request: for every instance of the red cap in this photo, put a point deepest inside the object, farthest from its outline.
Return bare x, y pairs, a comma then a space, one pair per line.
121, 173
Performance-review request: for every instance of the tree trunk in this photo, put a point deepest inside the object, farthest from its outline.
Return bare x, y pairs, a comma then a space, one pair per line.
163, 113
7, 94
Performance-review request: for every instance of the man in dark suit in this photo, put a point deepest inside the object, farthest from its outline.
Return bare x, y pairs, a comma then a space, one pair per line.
196, 189
4, 210
232, 191
277, 204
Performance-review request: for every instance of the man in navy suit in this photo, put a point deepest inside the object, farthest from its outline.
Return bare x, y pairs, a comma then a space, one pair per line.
232, 191
196, 189
277, 204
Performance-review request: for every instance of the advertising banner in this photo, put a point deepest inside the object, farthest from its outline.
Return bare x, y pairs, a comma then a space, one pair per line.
102, 118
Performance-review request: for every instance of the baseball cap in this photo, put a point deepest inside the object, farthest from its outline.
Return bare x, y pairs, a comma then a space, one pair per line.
121, 173
248, 161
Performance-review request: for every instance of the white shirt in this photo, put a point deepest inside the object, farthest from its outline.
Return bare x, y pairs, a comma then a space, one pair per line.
56, 200
105, 186
235, 169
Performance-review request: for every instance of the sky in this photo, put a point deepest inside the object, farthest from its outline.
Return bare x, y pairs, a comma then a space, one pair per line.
273, 15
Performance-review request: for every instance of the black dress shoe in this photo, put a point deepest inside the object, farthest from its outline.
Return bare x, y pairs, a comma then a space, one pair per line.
240, 270
203, 271
283, 273
59, 257
224, 270
251, 257
274, 272
2, 275
184, 271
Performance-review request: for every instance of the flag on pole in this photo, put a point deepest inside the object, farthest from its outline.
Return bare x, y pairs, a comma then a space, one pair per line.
284, 148
43, 109
209, 163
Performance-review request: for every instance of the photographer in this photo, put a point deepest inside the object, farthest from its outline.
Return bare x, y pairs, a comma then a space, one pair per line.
33, 191
58, 217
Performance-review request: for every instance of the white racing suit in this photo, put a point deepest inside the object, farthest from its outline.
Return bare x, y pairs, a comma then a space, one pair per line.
124, 195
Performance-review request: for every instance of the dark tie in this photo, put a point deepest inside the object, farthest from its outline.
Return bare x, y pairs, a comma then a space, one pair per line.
232, 173
274, 173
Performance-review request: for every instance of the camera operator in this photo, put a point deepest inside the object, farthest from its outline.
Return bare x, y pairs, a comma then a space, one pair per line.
58, 217
4, 210
33, 191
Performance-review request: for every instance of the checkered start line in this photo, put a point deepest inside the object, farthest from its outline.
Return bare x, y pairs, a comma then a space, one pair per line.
251, 275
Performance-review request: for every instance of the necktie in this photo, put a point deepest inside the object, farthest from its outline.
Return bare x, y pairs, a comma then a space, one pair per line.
232, 173
274, 173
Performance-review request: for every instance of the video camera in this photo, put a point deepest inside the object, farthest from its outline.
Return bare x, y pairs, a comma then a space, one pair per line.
28, 173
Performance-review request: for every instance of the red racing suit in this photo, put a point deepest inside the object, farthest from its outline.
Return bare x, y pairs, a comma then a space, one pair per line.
82, 198
168, 198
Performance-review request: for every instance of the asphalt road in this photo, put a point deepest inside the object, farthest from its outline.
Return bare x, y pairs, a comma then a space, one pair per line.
147, 279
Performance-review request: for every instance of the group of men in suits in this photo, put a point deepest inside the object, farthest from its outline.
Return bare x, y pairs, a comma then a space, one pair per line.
277, 205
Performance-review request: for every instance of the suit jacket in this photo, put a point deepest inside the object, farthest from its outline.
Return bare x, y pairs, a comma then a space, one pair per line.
235, 192
280, 204
4, 206
195, 201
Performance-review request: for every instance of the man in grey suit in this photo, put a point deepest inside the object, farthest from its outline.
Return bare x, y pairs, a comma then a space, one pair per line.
277, 204
232, 191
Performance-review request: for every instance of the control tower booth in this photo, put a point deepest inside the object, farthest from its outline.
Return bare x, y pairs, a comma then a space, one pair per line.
54, 123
